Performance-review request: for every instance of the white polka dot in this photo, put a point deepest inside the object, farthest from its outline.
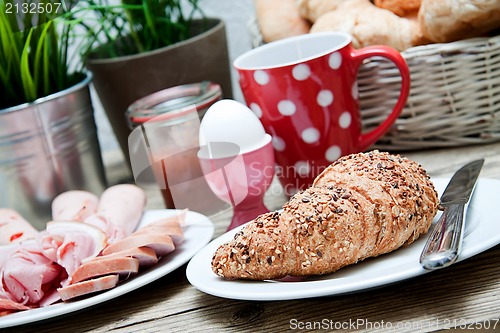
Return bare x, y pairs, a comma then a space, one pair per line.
310, 135
301, 72
286, 108
354, 90
333, 153
325, 98
302, 168
256, 109
345, 119
261, 77
335, 60
278, 143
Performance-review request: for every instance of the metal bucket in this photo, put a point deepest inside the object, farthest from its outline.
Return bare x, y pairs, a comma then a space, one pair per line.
47, 147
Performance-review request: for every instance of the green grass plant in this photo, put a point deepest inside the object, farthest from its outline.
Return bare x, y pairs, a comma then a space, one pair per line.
34, 60
115, 29
34, 48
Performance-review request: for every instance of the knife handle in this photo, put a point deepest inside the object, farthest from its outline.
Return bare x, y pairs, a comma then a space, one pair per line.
444, 243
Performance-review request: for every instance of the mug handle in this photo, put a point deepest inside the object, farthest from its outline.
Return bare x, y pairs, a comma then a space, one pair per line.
367, 139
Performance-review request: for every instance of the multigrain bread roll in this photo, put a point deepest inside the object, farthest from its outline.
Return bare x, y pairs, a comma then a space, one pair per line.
370, 25
363, 205
401, 8
445, 21
278, 19
389, 182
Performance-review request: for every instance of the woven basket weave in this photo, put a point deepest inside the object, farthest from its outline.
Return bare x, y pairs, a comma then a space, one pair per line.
454, 96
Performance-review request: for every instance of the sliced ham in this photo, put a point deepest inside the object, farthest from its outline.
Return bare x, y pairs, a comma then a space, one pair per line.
27, 274
71, 258
122, 266
145, 255
14, 228
8, 306
69, 243
74, 206
51, 296
88, 287
168, 226
161, 244
119, 211
5, 253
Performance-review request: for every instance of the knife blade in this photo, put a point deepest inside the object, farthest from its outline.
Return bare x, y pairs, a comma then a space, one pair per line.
444, 243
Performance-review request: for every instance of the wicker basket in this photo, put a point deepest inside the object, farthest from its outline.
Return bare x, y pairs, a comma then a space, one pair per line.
454, 96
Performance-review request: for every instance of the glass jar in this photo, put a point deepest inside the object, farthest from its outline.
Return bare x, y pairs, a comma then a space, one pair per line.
172, 101
164, 143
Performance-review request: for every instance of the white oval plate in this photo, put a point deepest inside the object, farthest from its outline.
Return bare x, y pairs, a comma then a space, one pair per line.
198, 231
482, 232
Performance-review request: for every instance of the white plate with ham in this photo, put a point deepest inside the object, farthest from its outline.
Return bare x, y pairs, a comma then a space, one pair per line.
482, 232
197, 230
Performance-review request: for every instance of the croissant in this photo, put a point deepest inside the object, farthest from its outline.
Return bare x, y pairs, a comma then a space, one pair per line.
446, 21
278, 19
399, 7
371, 25
363, 205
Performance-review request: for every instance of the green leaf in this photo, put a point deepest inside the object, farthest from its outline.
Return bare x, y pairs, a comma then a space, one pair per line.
42, 46
33, 62
26, 75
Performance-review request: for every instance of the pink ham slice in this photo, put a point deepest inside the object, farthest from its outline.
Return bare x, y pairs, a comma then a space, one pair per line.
88, 287
14, 228
161, 244
8, 306
74, 206
168, 226
27, 275
69, 243
122, 266
5, 253
119, 211
145, 255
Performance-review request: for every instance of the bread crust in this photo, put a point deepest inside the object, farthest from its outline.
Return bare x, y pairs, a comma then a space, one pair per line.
278, 19
370, 25
313, 9
403, 183
445, 21
361, 206
401, 8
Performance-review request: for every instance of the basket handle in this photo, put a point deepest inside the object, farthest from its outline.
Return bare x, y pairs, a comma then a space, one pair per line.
368, 139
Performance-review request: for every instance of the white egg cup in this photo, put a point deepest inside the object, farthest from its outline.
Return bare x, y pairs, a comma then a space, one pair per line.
239, 179
236, 158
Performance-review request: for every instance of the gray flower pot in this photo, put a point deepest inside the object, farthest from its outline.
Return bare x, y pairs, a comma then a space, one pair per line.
121, 81
47, 147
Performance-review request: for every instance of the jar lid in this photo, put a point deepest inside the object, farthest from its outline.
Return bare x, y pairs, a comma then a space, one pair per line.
173, 102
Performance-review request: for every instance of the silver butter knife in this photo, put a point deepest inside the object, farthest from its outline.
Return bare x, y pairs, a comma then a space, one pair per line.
444, 243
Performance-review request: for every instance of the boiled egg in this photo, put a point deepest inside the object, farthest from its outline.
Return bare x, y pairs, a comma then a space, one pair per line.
230, 128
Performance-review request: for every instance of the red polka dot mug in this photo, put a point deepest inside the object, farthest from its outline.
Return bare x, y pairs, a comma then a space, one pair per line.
304, 91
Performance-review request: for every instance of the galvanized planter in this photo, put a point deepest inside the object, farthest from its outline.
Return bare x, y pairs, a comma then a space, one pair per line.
47, 147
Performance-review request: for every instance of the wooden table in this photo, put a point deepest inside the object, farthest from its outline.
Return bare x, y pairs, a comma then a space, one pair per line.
465, 293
